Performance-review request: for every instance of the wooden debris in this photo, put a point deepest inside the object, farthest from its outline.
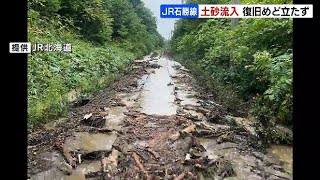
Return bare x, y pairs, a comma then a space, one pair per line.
159, 139
104, 130
67, 155
155, 154
189, 129
202, 110
117, 147
137, 160
99, 130
191, 117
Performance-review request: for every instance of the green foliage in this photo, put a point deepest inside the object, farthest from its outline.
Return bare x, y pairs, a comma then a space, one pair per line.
277, 99
52, 75
90, 17
49, 5
132, 25
252, 59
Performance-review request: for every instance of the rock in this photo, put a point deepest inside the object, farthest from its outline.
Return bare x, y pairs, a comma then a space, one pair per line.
202, 110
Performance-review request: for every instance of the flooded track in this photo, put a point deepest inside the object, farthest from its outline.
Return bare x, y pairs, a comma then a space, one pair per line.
156, 125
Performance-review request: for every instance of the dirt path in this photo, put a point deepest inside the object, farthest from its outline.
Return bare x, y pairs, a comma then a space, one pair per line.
155, 123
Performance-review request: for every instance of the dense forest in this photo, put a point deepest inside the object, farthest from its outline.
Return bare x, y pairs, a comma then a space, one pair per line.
247, 66
106, 35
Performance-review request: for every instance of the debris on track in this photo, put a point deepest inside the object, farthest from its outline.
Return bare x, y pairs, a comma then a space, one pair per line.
111, 137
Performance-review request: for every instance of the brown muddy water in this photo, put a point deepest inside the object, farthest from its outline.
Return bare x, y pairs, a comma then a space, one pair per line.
284, 154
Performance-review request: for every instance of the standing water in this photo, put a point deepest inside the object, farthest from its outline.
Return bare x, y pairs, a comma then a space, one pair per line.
284, 155
158, 97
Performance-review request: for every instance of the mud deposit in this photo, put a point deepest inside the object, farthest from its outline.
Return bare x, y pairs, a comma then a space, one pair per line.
153, 123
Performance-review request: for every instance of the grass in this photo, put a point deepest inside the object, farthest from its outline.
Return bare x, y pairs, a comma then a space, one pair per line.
52, 75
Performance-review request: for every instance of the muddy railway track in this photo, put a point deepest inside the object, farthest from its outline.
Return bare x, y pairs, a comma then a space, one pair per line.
152, 127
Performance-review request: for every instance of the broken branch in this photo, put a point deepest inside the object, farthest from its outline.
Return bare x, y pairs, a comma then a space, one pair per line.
137, 160
155, 154
189, 129
66, 153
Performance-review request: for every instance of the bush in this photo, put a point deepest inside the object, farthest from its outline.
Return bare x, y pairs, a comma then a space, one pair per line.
252, 61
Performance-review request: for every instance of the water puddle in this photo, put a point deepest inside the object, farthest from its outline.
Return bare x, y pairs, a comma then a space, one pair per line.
241, 164
284, 155
51, 174
116, 111
83, 169
115, 117
158, 97
90, 142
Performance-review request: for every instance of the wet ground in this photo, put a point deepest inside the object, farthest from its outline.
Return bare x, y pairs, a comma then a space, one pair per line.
153, 123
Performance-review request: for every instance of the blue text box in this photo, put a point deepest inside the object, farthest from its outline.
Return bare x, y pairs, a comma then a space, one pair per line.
179, 11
